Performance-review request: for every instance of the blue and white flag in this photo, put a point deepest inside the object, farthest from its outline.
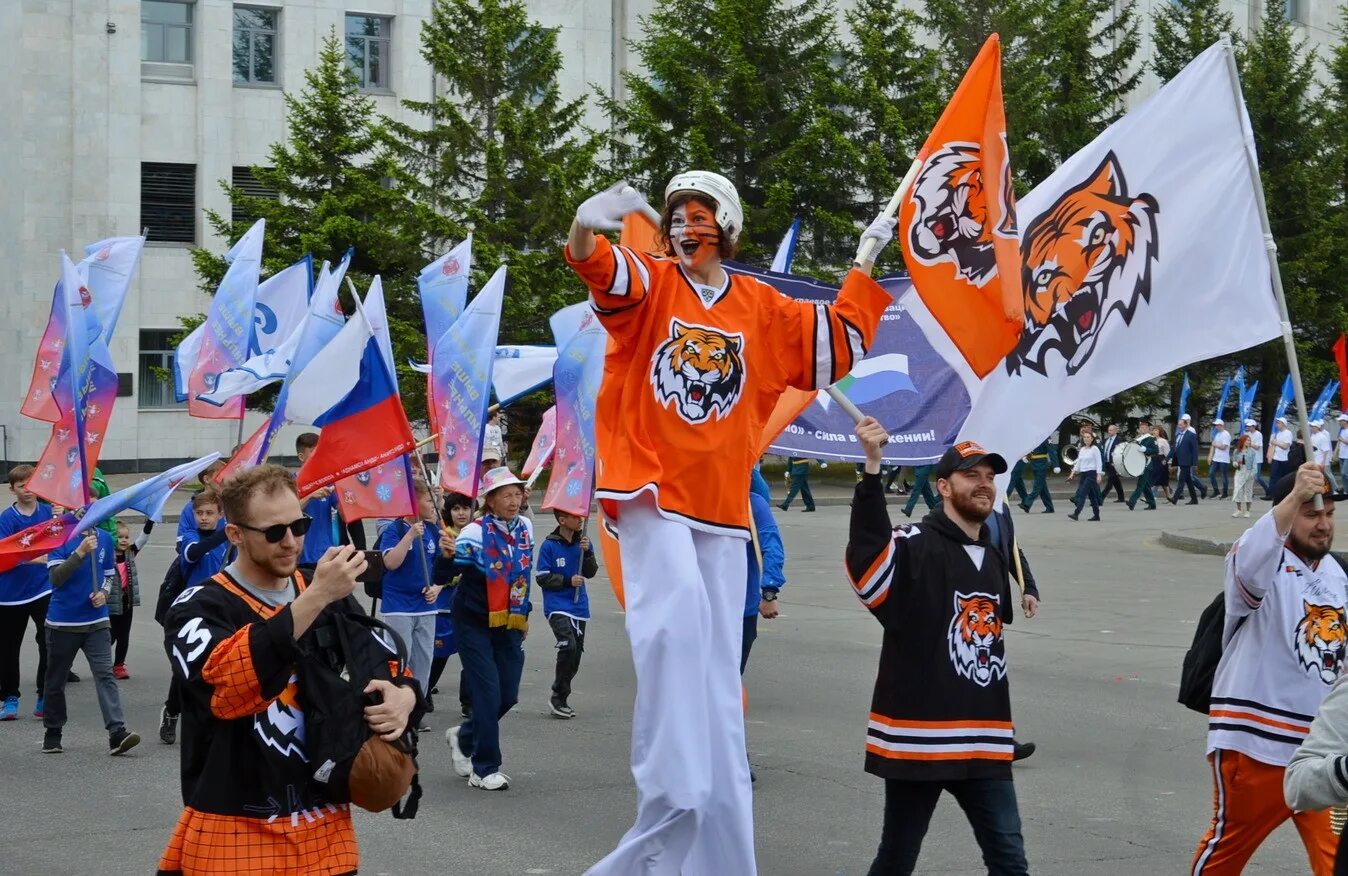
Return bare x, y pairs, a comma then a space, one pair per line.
1284, 399
443, 287
147, 497
1184, 396
1247, 401
786, 250
108, 267
278, 316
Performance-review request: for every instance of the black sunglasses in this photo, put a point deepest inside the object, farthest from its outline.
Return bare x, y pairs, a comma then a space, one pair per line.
277, 531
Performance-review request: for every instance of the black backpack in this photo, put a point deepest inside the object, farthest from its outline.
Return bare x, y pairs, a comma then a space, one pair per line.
340, 654
1200, 661
172, 587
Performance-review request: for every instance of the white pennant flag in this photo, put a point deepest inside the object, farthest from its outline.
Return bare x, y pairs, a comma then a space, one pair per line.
1141, 254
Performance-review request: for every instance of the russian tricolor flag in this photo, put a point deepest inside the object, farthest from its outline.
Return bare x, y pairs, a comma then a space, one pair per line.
346, 389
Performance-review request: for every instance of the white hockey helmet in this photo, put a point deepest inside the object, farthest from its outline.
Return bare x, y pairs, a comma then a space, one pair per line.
729, 213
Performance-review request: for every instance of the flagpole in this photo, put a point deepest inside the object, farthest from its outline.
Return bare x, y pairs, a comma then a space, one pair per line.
868, 245
1271, 247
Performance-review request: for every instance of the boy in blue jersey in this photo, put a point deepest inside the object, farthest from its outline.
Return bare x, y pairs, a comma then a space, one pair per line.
409, 604
321, 508
201, 553
565, 561
83, 572
24, 594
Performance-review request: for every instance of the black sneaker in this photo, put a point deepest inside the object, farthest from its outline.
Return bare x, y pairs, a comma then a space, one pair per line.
560, 709
168, 727
430, 704
51, 742
122, 741
1023, 750
466, 711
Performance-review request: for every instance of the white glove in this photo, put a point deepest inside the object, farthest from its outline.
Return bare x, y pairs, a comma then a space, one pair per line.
882, 232
605, 211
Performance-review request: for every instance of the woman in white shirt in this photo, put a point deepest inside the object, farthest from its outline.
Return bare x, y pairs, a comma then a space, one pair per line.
1090, 466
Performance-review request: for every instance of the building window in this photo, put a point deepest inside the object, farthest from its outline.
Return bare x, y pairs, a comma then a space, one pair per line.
367, 49
250, 185
168, 194
156, 369
166, 31
255, 36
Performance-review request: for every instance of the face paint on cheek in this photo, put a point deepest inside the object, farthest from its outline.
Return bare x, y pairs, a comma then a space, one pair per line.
698, 228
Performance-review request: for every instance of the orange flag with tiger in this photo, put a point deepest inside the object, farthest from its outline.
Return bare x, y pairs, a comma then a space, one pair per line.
957, 221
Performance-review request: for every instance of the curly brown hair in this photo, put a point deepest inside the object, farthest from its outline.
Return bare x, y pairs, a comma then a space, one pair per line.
724, 246
266, 480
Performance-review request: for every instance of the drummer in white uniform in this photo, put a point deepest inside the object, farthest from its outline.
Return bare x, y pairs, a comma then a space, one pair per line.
1257, 442
1321, 452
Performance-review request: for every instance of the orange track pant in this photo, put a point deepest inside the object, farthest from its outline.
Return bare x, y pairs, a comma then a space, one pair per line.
1248, 806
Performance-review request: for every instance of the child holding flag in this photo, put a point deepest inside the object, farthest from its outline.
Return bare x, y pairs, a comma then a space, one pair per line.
409, 603
201, 553
125, 596
565, 561
697, 361
83, 572
24, 593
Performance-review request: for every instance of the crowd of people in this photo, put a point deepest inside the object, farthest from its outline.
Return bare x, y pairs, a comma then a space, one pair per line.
261, 581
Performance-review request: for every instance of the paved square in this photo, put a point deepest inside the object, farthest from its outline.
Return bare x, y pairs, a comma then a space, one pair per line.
1119, 785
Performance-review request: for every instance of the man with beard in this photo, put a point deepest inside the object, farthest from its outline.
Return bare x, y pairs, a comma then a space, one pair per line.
1283, 644
233, 642
941, 710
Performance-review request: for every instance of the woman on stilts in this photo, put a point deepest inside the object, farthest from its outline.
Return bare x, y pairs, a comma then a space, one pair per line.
697, 362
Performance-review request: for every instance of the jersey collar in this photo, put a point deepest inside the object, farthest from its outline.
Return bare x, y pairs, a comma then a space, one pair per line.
707, 295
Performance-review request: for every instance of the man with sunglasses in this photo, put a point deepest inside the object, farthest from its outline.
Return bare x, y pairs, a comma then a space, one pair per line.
251, 805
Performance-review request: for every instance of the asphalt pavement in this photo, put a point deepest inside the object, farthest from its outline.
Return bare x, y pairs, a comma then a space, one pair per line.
1119, 784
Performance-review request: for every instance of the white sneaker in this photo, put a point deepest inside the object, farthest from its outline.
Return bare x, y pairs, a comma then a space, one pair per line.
1235, 513
497, 781
1247, 513
463, 765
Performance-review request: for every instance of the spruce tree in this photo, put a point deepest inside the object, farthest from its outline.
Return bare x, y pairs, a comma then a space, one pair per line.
331, 191
755, 90
898, 96
498, 151
1288, 119
1182, 29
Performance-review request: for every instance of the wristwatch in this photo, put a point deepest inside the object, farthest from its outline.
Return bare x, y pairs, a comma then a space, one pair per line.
769, 595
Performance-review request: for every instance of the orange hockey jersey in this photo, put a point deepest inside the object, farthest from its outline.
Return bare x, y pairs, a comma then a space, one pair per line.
693, 372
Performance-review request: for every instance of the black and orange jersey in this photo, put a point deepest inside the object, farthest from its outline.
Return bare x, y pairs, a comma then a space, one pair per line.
251, 806
941, 709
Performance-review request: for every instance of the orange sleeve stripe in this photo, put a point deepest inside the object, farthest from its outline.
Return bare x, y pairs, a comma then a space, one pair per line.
236, 690
1259, 719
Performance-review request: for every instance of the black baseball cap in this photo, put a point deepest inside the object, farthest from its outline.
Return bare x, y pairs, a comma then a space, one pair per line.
1283, 488
966, 455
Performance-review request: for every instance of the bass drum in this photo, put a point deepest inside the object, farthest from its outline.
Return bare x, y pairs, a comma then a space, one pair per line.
1130, 459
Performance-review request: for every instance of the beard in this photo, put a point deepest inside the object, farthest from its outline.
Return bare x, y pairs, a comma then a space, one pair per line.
1310, 552
973, 509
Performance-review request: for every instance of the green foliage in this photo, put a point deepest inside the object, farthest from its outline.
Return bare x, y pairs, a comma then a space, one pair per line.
1182, 29
498, 152
754, 89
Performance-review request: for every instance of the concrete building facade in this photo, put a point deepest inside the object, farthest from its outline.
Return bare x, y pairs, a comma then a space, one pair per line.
125, 113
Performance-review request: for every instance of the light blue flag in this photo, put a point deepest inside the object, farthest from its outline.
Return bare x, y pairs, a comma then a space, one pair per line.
1184, 396
147, 497
443, 288
1247, 401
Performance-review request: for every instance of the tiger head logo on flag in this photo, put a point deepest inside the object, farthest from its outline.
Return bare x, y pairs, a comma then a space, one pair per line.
950, 222
1086, 257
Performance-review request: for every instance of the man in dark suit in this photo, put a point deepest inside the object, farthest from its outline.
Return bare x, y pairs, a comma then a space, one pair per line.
1184, 453
1002, 534
1112, 480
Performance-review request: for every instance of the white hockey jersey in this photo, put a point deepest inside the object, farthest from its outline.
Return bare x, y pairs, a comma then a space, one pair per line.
1284, 644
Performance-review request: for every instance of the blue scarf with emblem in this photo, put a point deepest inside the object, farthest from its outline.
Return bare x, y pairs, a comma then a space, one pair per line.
507, 559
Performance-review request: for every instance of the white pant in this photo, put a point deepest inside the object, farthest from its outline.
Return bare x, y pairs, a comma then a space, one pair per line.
685, 606
418, 634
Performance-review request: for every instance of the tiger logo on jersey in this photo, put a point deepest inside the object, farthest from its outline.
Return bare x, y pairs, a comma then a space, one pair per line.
976, 648
281, 726
950, 222
1086, 257
1320, 640
701, 370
